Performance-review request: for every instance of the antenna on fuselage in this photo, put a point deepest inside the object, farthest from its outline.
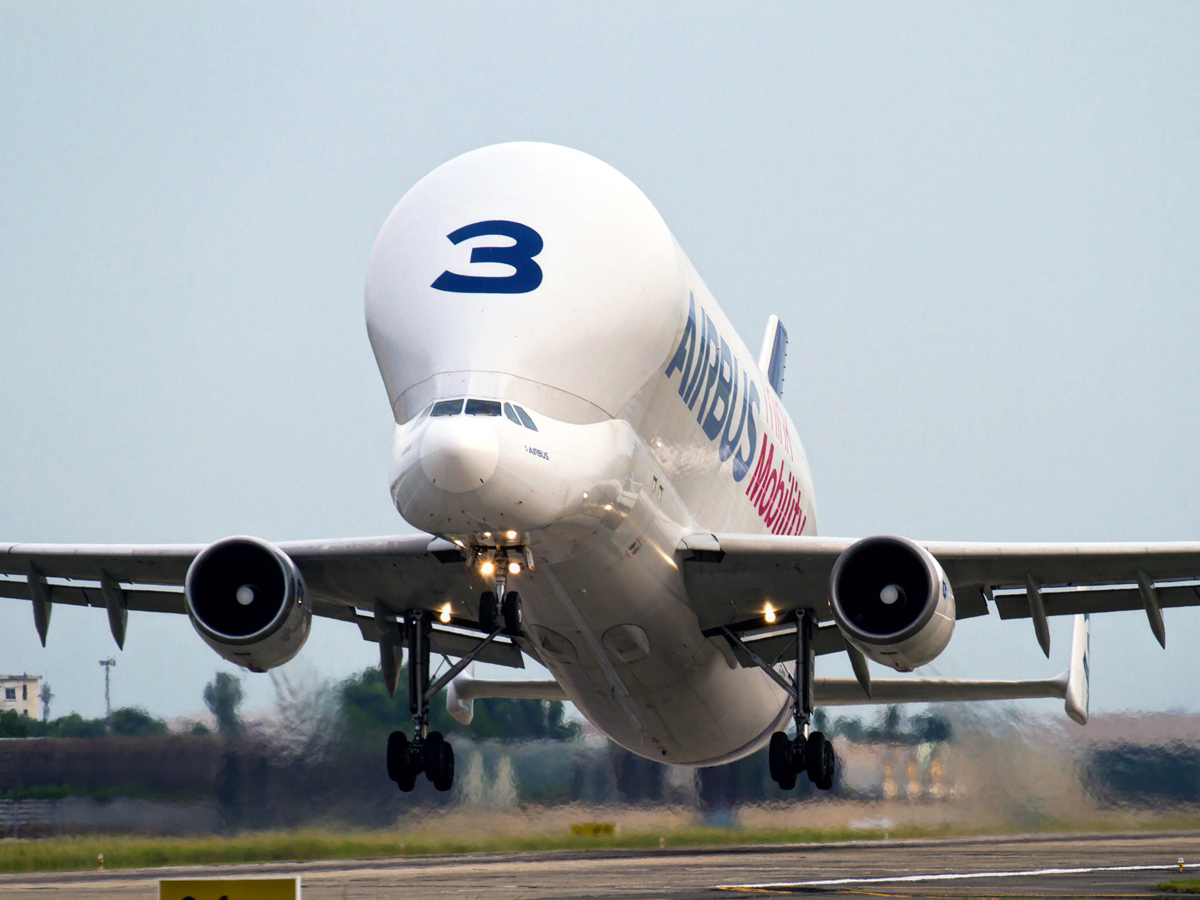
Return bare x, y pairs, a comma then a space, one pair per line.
772, 358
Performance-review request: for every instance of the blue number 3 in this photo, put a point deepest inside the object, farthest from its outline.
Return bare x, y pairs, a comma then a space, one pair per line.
528, 274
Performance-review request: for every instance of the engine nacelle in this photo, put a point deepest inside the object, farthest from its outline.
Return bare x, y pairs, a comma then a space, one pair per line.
245, 598
892, 600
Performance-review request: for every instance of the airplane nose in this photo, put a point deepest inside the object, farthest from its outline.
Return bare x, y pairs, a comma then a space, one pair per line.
459, 455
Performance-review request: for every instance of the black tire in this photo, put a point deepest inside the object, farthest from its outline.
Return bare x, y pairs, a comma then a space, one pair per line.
397, 755
826, 783
511, 611
779, 760
777, 755
489, 612
821, 761
445, 776
407, 780
431, 752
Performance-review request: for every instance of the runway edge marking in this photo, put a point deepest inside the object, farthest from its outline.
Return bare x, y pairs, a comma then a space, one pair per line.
901, 879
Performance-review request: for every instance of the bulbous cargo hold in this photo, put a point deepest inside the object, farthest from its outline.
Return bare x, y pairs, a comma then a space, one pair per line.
892, 600
246, 599
525, 271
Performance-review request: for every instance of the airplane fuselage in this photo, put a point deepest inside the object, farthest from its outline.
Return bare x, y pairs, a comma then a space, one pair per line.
562, 380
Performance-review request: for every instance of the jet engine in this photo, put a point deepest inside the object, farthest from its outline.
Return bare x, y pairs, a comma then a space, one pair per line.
245, 598
892, 600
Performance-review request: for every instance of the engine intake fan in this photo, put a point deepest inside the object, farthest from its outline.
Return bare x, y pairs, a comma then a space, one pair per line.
892, 600
245, 598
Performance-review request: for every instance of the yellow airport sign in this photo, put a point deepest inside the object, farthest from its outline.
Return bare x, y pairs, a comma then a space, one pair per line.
229, 889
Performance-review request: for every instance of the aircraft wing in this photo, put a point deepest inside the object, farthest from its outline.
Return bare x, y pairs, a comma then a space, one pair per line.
349, 579
731, 577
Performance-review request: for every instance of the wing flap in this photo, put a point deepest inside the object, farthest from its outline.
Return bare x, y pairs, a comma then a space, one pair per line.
779, 645
731, 578
81, 595
1015, 605
399, 573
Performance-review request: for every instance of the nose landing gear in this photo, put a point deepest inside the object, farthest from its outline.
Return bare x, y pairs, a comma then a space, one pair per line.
808, 753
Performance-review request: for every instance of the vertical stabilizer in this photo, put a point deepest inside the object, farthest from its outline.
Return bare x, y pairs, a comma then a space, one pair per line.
773, 356
1079, 675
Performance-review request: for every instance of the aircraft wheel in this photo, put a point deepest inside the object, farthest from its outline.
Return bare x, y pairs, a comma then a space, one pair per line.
512, 613
822, 763
439, 761
779, 759
445, 776
407, 780
489, 612
397, 754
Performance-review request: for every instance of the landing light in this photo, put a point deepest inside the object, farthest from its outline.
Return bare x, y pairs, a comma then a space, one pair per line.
487, 534
445, 616
769, 615
608, 506
585, 495
511, 535
514, 568
487, 568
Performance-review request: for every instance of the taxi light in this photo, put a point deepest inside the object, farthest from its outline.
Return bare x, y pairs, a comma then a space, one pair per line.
487, 568
769, 615
514, 568
445, 616
511, 535
487, 534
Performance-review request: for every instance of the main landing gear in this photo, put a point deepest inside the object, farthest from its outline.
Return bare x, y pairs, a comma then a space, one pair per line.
428, 751
808, 753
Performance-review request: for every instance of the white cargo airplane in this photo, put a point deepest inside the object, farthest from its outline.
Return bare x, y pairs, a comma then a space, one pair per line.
608, 483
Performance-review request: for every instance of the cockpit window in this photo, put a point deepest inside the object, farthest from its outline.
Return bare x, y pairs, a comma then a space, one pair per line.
525, 420
447, 407
508, 411
482, 407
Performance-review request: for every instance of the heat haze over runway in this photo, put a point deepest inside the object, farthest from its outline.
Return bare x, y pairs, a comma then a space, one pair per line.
1056, 866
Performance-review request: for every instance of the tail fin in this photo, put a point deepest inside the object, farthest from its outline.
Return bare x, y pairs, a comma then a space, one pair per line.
773, 355
1079, 675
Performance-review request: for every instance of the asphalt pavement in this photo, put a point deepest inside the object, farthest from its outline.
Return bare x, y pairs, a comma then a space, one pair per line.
1099, 866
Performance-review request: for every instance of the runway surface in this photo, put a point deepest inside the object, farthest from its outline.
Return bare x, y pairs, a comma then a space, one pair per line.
1107, 866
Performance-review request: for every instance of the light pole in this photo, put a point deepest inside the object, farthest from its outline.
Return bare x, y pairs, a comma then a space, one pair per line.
108, 664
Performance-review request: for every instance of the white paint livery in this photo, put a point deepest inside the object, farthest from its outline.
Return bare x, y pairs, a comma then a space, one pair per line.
577, 421
624, 467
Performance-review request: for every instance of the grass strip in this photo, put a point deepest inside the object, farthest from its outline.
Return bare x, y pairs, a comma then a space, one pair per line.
123, 852
1183, 886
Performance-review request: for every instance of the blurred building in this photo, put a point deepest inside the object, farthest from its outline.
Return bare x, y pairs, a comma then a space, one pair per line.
21, 693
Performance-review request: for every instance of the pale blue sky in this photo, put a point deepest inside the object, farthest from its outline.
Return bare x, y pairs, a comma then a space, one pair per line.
979, 223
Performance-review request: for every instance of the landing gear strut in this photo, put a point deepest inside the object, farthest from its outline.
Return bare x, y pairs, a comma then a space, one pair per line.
428, 751
809, 753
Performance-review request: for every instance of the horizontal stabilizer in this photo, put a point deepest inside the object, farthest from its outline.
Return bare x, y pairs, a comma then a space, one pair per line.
1072, 686
848, 692
465, 689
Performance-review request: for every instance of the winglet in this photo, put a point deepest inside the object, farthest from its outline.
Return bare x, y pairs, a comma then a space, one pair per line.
773, 355
1079, 675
